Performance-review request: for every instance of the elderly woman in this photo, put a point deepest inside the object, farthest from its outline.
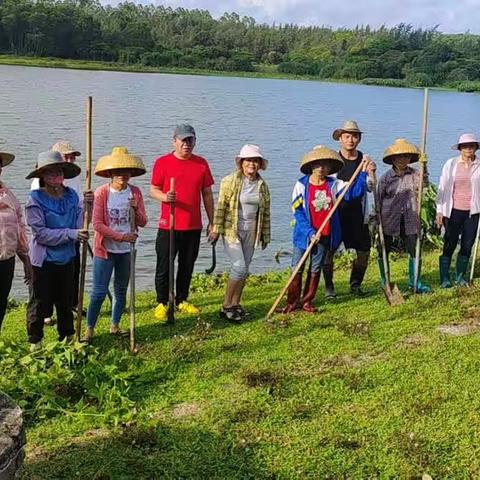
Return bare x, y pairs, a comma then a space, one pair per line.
397, 196
13, 239
113, 236
458, 207
55, 217
242, 217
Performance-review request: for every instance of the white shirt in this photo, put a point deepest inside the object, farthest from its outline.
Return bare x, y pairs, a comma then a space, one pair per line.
118, 213
447, 181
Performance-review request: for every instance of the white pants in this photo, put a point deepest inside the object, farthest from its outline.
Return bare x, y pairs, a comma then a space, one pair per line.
241, 253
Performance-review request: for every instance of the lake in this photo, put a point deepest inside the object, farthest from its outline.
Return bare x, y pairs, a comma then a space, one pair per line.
285, 117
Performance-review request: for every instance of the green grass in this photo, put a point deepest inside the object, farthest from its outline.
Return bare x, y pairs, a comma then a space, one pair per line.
358, 390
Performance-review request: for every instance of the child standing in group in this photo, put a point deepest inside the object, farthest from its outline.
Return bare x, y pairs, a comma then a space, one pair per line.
313, 197
111, 223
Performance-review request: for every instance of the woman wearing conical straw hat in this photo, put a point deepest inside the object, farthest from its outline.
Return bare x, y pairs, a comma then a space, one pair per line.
113, 237
13, 238
397, 196
55, 216
313, 196
458, 208
242, 217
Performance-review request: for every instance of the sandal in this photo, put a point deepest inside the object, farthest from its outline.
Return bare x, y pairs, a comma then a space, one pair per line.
241, 311
120, 333
231, 314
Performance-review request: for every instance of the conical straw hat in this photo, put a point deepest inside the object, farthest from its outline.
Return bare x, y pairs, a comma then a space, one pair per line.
119, 159
321, 153
401, 147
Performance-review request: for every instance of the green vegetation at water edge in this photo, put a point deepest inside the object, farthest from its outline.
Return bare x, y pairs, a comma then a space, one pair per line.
158, 37
358, 390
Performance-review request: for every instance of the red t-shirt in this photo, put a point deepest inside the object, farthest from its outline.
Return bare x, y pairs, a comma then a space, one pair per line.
191, 177
319, 203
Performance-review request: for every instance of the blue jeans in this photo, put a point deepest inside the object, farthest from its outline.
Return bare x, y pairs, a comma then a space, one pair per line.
102, 273
317, 255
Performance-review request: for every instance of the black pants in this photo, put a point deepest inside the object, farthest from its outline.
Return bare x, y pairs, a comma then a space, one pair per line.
52, 285
409, 241
187, 244
7, 268
460, 224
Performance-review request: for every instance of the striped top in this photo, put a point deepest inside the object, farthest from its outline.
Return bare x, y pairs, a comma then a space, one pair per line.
462, 186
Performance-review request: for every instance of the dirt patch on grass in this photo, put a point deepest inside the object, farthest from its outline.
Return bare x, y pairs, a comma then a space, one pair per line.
459, 330
413, 341
185, 410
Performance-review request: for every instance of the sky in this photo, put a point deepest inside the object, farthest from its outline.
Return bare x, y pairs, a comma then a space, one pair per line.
452, 16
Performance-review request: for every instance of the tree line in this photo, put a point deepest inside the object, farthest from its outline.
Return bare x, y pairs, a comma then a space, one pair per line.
159, 36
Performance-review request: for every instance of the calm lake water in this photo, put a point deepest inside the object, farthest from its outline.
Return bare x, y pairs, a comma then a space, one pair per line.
286, 118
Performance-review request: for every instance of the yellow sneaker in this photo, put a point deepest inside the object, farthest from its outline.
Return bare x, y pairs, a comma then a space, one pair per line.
188, 308
161, 312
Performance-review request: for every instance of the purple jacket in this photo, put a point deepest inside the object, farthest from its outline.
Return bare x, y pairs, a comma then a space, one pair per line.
44, 237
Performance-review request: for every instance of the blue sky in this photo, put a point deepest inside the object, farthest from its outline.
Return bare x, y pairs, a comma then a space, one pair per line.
451, 15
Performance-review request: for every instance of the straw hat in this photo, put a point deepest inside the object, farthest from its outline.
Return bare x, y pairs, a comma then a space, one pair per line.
6, 159
331, 157
65, 148
401, 147
49, 159
350, 126
251, 151
466, 138
119, 159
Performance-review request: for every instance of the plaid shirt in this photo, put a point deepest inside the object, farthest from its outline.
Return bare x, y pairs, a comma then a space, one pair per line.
398, 195
226, 214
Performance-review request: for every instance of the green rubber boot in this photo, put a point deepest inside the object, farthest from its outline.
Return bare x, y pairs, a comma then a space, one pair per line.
461, 270
421, 287
381, 268
444, 263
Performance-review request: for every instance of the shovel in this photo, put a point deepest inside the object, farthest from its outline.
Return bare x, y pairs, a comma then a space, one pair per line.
392, 293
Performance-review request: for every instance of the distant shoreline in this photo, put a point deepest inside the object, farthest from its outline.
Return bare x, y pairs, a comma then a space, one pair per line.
262, 72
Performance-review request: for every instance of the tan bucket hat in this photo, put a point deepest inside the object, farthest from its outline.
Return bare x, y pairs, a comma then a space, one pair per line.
251, 151
331, 157
401, 147
65, 148
120, 158
6, 159
350, 126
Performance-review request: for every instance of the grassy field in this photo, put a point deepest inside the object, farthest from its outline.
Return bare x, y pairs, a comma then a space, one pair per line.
359, 390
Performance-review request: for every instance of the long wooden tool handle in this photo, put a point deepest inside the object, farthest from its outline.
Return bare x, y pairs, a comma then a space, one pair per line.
423, 168
316, 238
381, 235
475, 248
171, 259
133, 229
86, 216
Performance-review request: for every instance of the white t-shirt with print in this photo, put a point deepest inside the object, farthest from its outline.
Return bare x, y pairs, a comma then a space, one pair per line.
118, 212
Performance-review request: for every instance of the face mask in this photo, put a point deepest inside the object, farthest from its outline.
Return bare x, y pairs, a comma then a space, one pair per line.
53, 180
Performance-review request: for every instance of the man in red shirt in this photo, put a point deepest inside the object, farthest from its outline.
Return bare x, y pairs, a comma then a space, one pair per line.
193, 182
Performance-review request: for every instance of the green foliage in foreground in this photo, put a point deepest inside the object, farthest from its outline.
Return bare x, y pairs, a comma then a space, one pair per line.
359, 390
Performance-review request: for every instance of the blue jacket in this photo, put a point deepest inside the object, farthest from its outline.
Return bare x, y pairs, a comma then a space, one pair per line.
303, 230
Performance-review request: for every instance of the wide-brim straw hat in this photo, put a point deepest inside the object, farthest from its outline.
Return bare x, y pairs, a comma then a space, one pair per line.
50, 159
321, 153
65, 148
120, 159
6, 159
401, 147
251, 151
466, 138
350, 126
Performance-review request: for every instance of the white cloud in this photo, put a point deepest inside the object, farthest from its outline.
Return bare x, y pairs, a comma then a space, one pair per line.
450, 15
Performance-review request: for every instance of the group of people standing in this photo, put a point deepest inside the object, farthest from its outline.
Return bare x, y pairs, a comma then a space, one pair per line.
56, 206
